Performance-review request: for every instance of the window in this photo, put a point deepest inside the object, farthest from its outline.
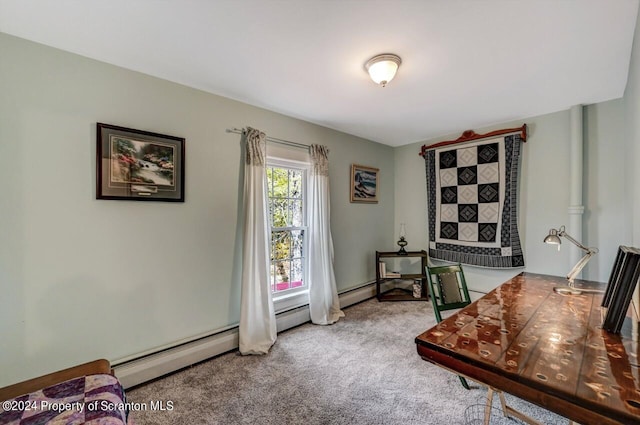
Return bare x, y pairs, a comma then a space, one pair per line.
286, 194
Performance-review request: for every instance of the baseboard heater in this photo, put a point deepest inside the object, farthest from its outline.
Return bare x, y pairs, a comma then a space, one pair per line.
151, 366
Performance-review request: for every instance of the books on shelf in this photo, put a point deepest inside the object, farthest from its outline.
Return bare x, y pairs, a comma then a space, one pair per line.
387, 274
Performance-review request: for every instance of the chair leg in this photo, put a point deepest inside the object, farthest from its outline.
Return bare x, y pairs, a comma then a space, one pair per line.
464, 383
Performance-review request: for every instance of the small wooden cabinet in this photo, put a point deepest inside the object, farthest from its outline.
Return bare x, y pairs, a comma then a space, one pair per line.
397, 293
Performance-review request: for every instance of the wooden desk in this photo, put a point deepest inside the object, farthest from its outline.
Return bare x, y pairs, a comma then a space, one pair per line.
549, 349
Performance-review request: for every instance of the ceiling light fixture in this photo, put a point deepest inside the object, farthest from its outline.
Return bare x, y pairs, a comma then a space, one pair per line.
382, 68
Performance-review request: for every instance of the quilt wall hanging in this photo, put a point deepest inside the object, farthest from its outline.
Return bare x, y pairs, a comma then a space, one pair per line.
472, 192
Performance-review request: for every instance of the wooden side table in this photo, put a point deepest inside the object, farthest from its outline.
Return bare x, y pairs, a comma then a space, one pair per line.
402, 294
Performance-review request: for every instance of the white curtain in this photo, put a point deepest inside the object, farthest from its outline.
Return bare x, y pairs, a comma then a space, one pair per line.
257, 317
324, 305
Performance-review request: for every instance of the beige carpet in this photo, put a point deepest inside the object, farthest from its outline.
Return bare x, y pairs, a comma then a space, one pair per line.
361, 370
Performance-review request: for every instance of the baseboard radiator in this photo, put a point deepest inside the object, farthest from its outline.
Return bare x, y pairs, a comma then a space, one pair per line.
155, 365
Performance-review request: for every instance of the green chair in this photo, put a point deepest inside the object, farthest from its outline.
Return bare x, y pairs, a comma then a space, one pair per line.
448, 291
447, 288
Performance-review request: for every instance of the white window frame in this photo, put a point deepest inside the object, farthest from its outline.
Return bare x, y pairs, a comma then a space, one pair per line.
294, 297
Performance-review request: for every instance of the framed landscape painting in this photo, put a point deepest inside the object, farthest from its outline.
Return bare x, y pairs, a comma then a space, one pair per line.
139, 165
364, 184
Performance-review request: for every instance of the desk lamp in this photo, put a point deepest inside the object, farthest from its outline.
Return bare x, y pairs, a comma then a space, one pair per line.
553, 238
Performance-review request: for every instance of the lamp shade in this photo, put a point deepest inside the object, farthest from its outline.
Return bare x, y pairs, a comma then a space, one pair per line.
383, 68
553, 238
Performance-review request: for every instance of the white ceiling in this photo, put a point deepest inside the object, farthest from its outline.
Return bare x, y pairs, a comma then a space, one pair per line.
466, 63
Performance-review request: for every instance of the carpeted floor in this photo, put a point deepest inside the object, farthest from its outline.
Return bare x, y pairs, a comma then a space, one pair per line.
362, 370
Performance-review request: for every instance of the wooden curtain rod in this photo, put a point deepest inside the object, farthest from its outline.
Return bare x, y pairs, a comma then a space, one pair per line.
470, 135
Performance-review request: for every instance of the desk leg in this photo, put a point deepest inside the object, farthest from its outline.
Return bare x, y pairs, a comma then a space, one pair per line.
510, 411
506, 410
488, 406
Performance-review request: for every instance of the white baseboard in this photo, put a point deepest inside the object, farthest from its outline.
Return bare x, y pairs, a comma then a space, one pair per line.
357, 295
151, 366
292, 318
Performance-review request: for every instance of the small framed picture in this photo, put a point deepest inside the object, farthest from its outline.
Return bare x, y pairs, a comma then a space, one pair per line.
364, 184
139, 165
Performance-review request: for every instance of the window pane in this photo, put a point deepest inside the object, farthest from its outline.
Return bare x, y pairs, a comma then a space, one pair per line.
295, 184
296, 217
282, 275
297, 239
280, 182
296, 273
280, 213
280, 245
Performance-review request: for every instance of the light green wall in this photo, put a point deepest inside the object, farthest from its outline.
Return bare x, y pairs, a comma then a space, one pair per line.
84, 279
632, 132
607, 218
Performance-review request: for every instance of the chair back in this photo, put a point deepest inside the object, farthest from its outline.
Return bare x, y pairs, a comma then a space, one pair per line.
447, 288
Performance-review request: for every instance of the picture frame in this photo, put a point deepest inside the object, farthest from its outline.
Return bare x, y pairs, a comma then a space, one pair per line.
136, 165
364, 184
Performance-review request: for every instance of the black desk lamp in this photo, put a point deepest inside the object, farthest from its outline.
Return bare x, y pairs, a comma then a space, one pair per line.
553, 238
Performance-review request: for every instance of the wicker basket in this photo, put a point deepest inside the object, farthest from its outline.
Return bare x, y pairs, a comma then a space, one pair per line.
474, 415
